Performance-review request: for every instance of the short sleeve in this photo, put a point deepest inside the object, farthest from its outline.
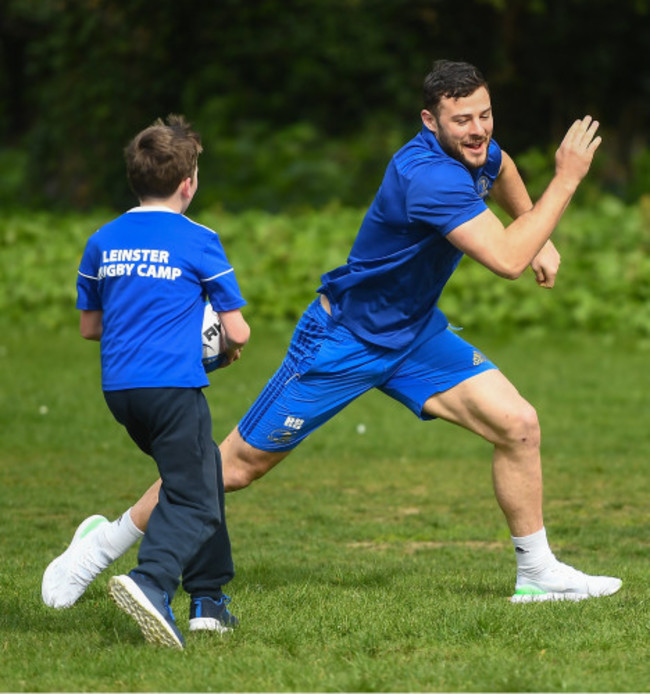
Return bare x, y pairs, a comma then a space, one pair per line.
88, 298
443, 197
218, 277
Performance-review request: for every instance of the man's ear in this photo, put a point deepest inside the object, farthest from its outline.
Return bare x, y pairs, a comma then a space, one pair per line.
428, 120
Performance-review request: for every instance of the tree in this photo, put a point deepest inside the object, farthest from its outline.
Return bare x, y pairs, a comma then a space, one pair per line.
79, 77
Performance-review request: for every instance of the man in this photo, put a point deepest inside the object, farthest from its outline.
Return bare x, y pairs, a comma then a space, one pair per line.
376, 323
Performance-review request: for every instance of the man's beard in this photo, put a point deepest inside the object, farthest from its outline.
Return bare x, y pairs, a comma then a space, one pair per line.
455, 150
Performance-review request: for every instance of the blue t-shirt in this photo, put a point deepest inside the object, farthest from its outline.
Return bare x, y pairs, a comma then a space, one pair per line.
400, 261
149, 271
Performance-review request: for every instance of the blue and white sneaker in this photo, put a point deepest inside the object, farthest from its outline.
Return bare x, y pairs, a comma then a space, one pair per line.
208, 614
138, 596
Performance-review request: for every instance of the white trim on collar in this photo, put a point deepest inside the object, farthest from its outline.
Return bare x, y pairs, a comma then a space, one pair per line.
152, 208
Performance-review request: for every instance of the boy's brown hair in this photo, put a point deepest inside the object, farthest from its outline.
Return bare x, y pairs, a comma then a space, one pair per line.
160, 157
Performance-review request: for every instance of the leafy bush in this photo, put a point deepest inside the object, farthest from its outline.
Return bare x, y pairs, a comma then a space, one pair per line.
288, 168
603, 286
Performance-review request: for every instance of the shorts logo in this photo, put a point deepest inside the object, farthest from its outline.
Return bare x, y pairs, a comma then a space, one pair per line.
291, 426
282, 436
478, 358
294, 423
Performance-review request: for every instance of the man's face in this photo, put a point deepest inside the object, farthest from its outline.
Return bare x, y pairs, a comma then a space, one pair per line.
464, 127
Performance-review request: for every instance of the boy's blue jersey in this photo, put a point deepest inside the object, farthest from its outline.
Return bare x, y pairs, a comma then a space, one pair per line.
400, 261
149, 271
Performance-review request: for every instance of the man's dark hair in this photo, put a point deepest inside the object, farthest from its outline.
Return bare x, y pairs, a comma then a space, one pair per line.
450, 80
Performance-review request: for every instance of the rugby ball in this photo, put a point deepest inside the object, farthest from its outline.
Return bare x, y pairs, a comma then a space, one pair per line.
214, 351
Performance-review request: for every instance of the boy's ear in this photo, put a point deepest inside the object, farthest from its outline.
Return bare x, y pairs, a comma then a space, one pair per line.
185, 188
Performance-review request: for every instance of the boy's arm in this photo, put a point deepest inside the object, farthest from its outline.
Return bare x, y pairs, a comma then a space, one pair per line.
90, 325
236, 332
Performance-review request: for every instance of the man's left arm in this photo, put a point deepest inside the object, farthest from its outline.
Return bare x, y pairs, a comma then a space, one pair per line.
510, 194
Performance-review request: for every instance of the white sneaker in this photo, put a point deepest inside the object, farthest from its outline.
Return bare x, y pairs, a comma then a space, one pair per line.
67, 577
563, 582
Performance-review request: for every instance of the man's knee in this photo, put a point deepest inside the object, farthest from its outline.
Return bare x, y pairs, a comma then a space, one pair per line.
243, 464
243, 468
522, 426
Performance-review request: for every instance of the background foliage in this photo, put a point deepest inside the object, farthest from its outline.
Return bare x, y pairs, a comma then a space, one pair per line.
603, 286
301, 102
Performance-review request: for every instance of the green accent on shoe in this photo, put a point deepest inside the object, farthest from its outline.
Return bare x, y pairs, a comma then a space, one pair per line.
529, 590
91, 526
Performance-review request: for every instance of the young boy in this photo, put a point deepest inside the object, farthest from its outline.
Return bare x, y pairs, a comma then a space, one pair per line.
142, 285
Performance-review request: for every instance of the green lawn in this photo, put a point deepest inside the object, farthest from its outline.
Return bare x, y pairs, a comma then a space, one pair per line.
374, 561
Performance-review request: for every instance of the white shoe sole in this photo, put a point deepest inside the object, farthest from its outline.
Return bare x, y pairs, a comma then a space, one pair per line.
126, 594
208, 624
550, 596
56, 575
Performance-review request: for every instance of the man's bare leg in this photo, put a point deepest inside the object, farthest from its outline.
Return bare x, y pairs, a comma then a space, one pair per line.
489, 405
141, 511
243, 464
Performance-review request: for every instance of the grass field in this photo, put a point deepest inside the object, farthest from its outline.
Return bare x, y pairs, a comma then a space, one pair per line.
373, 561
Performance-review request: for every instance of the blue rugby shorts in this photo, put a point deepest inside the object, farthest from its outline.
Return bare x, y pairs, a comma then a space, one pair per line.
327, 367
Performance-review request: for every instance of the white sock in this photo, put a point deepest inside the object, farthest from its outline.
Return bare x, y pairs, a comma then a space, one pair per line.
533, 553
119, 536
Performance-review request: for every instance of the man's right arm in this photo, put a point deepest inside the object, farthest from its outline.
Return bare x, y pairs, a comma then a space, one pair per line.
508, 251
